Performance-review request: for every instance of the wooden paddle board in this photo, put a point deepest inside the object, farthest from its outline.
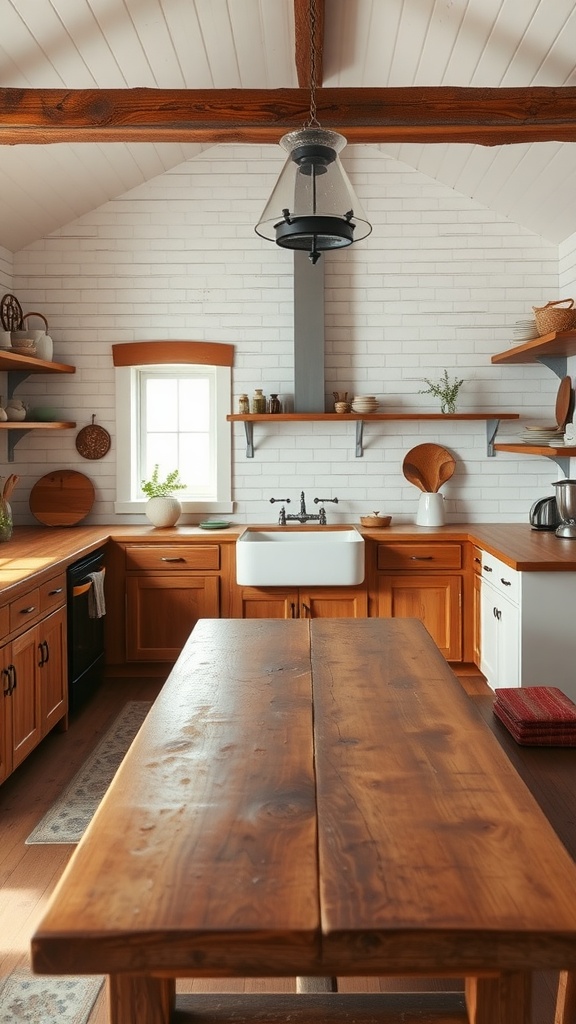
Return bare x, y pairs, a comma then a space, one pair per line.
62, 498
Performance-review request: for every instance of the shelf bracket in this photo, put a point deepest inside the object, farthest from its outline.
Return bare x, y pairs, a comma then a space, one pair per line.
555, 363
491, 431
563, 462
359, 438
14, 378
13, 437
249, 429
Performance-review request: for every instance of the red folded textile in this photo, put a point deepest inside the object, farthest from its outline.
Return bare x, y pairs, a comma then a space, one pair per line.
534, 705
541, 736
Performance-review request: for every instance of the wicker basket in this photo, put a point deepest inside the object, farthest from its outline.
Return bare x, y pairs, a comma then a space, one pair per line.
551, 317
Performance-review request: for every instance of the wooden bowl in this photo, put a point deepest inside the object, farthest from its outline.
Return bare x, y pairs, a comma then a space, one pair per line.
375, 521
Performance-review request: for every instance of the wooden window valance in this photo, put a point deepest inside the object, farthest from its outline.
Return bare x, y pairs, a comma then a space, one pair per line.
149, 353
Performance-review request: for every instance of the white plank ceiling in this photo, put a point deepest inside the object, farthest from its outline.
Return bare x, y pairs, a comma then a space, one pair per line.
203, 44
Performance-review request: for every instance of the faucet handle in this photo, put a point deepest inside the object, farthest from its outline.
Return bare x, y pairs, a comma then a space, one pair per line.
317, 500
272, 500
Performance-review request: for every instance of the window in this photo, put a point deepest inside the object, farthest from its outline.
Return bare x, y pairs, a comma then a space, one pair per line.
173, 414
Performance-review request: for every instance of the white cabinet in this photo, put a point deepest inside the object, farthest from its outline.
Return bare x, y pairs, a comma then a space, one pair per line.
499, 637
527, 627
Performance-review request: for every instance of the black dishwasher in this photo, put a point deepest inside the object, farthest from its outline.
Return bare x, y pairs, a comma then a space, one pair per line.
85, 629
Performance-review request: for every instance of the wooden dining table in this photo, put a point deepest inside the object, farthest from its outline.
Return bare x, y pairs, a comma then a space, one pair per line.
313, 799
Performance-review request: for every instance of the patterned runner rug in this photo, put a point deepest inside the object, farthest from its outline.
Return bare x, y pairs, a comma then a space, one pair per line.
69, 816
27, 998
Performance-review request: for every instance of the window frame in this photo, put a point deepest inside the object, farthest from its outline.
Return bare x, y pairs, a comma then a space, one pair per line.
129, 360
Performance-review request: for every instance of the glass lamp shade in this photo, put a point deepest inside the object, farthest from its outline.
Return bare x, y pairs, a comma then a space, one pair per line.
313, 205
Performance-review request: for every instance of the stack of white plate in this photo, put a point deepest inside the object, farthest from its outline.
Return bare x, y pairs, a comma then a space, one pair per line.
525, 330
365, 403
537, 434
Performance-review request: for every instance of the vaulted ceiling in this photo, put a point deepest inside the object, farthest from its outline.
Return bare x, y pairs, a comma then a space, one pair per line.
479, 94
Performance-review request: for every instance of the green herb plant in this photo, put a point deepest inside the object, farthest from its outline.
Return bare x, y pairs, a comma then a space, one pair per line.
445, 389
155, 488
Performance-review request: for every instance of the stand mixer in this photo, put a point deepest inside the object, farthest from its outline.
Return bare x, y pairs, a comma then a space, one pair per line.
566, 502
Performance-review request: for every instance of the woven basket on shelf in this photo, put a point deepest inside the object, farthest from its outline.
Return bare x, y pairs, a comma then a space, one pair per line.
551, 317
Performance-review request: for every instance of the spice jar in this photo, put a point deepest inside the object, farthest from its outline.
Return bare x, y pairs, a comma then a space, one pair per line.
243, 404
259, 401
274, 404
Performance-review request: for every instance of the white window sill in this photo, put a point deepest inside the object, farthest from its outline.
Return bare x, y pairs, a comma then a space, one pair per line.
188, 507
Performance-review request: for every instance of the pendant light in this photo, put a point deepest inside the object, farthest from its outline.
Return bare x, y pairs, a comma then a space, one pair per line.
313, 206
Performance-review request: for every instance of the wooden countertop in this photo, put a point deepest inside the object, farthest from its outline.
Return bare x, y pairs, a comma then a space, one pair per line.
34, 552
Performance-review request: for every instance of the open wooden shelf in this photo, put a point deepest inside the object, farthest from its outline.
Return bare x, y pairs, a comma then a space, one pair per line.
12, 361
18, 368
561, 454
551, 349
492, 420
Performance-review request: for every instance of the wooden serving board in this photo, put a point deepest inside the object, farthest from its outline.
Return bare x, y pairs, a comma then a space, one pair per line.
62, 498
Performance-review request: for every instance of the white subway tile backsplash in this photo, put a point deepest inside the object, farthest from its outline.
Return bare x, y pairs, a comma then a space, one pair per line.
439, 283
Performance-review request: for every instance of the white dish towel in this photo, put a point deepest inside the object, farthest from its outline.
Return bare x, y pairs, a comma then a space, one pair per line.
96, 602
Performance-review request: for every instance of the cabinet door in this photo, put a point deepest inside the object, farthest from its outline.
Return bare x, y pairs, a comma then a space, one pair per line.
499, 638
333, 603
161, 612
435, 600
26, 713
268, 604
53, 669
476, 627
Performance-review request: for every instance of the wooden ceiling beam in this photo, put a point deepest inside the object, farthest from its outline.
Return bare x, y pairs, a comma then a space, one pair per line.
488, 117
303, 37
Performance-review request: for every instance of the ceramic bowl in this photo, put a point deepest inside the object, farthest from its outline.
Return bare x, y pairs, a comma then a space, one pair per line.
375, 521
364, 406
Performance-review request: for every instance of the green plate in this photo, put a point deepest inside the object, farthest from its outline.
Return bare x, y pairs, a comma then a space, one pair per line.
214, 524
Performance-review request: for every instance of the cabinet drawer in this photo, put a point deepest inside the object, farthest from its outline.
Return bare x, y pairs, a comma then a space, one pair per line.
477, 559
172, 558
504, 579
25, 609
53, 593
420, 556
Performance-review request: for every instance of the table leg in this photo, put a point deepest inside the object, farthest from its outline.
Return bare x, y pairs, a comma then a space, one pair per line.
566, 1001
506, 999
133, 999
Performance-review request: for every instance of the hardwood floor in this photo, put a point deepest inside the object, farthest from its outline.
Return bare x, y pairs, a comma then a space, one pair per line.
28, 874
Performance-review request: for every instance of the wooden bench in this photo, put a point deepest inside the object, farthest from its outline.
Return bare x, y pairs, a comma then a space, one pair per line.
314, 799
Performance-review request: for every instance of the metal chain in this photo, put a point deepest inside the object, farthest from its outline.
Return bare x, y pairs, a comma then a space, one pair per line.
313, 120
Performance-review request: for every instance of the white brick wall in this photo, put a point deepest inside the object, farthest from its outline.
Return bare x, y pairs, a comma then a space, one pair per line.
439, 283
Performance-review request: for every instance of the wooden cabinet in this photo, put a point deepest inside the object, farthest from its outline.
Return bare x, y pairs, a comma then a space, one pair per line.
422, 580
309, 603
168, 588
33, 671
474, 617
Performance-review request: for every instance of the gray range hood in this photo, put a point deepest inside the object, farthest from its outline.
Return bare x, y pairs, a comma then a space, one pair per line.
309, 376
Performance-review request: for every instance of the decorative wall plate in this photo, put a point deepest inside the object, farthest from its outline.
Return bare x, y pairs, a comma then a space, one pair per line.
93, 441
10, 313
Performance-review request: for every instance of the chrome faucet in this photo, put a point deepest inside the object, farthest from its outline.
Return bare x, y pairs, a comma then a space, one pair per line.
303, 516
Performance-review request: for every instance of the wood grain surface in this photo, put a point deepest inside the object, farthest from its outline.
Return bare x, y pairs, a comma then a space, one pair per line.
210, 857
434, 856
432, 850
62, 498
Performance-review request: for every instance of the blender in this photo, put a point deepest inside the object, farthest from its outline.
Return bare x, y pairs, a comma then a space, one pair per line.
566, 502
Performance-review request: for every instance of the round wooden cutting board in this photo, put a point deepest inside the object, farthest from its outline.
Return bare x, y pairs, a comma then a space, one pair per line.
62, 498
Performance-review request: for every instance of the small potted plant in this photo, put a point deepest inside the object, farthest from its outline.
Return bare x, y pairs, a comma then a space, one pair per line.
162, 508
444, 389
